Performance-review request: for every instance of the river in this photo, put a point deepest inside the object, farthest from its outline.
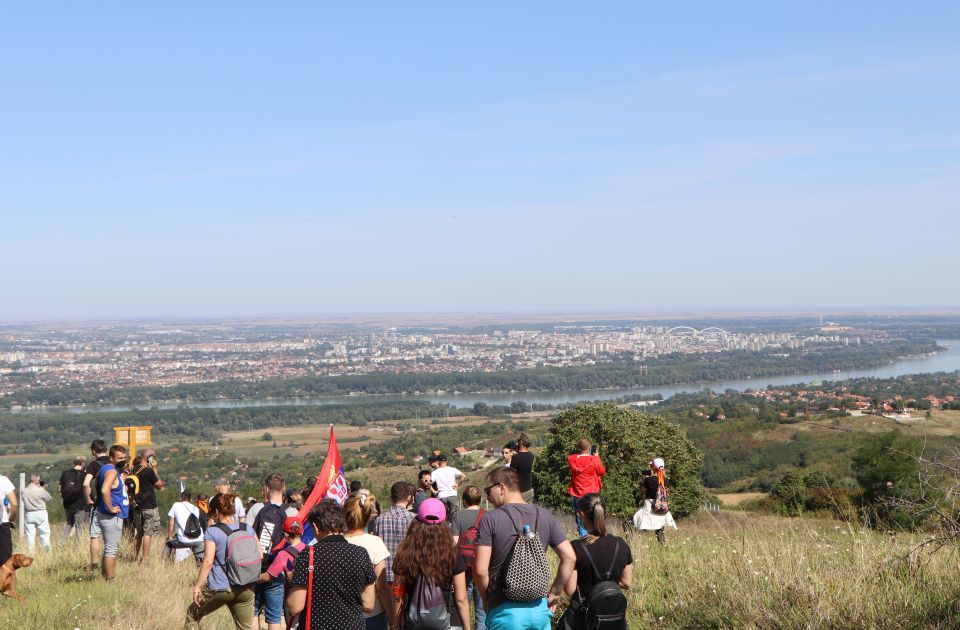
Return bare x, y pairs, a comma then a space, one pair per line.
946, 361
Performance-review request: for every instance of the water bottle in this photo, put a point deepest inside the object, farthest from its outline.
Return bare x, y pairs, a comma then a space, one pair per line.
528, 532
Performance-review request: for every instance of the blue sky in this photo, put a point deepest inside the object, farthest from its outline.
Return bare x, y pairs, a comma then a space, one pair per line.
259, 158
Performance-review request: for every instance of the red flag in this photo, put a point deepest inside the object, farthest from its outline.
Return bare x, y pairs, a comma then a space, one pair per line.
331, 482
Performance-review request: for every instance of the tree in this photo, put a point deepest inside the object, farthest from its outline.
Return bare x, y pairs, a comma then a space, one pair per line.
886, 467
791, 492
627, 439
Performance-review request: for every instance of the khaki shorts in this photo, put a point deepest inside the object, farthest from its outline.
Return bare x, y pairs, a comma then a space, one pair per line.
146, 521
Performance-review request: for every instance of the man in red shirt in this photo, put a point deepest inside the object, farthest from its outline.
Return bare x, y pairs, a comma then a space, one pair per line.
586, 469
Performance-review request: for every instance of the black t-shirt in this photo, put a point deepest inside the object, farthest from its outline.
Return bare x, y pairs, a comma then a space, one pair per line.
523, 464
93, 468
148, 496
650, 485
602, 552
71, 483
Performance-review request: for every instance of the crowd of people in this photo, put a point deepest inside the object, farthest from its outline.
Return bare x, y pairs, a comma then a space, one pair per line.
435, 558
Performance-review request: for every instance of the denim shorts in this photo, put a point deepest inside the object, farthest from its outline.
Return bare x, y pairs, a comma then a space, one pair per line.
520, 616
268, 597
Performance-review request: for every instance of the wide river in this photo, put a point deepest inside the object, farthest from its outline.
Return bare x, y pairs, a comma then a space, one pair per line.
946, 361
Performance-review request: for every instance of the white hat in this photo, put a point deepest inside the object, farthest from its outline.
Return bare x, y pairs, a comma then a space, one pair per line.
657, 462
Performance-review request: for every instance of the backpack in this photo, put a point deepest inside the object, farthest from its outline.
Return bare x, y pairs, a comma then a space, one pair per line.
526, 577
467, 544
426, 608
242, 557
192, 529
73, 491
95, 482
606, 607
133, 488
268, 526
661, 505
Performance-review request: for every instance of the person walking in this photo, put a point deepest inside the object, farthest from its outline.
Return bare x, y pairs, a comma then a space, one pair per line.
74, 504
179, 526
464, 527
91, 495
518, 605
447, 479
333, 581
145, 516
34, 499
586, 473
358, 510
8, 513
267, 518
428, 564
652, 517
213, 589
113, 508
281, 568
522, 462
597, 551
392, 525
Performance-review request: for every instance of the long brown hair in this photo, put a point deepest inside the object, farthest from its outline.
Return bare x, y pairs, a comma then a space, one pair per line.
426, 550
594, 509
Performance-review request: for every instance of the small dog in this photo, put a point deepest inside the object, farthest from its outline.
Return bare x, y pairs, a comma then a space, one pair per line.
8, 575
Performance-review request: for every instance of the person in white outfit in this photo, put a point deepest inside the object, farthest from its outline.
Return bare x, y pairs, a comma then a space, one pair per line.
649, 518
35, 498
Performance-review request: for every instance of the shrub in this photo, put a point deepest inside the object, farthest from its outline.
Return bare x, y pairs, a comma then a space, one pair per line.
628, 440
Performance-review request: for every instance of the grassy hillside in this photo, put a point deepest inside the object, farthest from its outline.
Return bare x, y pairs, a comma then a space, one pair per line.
725, 570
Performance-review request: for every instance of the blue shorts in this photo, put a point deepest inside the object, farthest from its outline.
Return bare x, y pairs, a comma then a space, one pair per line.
268, 597
520, 616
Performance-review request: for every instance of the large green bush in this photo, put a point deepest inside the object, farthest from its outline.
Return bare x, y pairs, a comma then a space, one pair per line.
628, 440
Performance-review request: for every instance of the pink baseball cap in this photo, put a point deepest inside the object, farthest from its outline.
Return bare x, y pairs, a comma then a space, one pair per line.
432, 512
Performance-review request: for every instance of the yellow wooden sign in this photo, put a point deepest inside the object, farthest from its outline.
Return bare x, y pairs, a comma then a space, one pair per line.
132, 437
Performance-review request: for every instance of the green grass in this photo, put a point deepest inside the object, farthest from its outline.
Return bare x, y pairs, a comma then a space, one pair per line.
723, 570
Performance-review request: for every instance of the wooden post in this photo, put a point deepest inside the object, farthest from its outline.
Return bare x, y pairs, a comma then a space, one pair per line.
20, 510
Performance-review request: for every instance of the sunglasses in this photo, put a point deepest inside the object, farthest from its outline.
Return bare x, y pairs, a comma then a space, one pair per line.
487, 489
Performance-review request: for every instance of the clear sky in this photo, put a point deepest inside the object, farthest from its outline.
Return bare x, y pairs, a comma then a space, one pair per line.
254, 158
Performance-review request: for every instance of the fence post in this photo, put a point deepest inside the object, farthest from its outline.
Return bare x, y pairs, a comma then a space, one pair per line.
23, 481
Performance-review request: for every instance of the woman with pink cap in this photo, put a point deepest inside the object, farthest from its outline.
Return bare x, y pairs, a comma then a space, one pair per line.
655, 514
425, 565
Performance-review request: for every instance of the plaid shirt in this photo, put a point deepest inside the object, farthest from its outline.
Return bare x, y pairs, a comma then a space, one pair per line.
392, 527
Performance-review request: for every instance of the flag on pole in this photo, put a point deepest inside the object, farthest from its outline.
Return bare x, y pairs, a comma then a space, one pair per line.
331, 484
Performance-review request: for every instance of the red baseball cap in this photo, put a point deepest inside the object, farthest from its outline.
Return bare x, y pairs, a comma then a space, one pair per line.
293, 525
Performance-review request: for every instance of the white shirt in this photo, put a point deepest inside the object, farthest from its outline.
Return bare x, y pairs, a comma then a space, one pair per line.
238, 509
181, 511
446, 479
6, 487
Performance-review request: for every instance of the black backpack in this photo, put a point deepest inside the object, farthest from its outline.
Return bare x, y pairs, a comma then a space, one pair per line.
606, 607
268, 526
73, 491
192, 529
94, 469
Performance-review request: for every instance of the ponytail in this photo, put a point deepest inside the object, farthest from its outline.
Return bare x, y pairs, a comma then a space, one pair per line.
593, 508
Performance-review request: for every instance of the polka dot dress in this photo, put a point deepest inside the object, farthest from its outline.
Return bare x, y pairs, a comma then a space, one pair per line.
341, 572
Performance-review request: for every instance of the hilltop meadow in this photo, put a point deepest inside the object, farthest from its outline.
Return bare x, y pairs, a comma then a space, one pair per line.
720, 570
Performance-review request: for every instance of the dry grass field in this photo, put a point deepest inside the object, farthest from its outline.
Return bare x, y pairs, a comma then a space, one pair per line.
725, 570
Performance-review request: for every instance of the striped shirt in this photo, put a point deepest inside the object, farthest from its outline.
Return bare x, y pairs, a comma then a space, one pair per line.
392, 527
